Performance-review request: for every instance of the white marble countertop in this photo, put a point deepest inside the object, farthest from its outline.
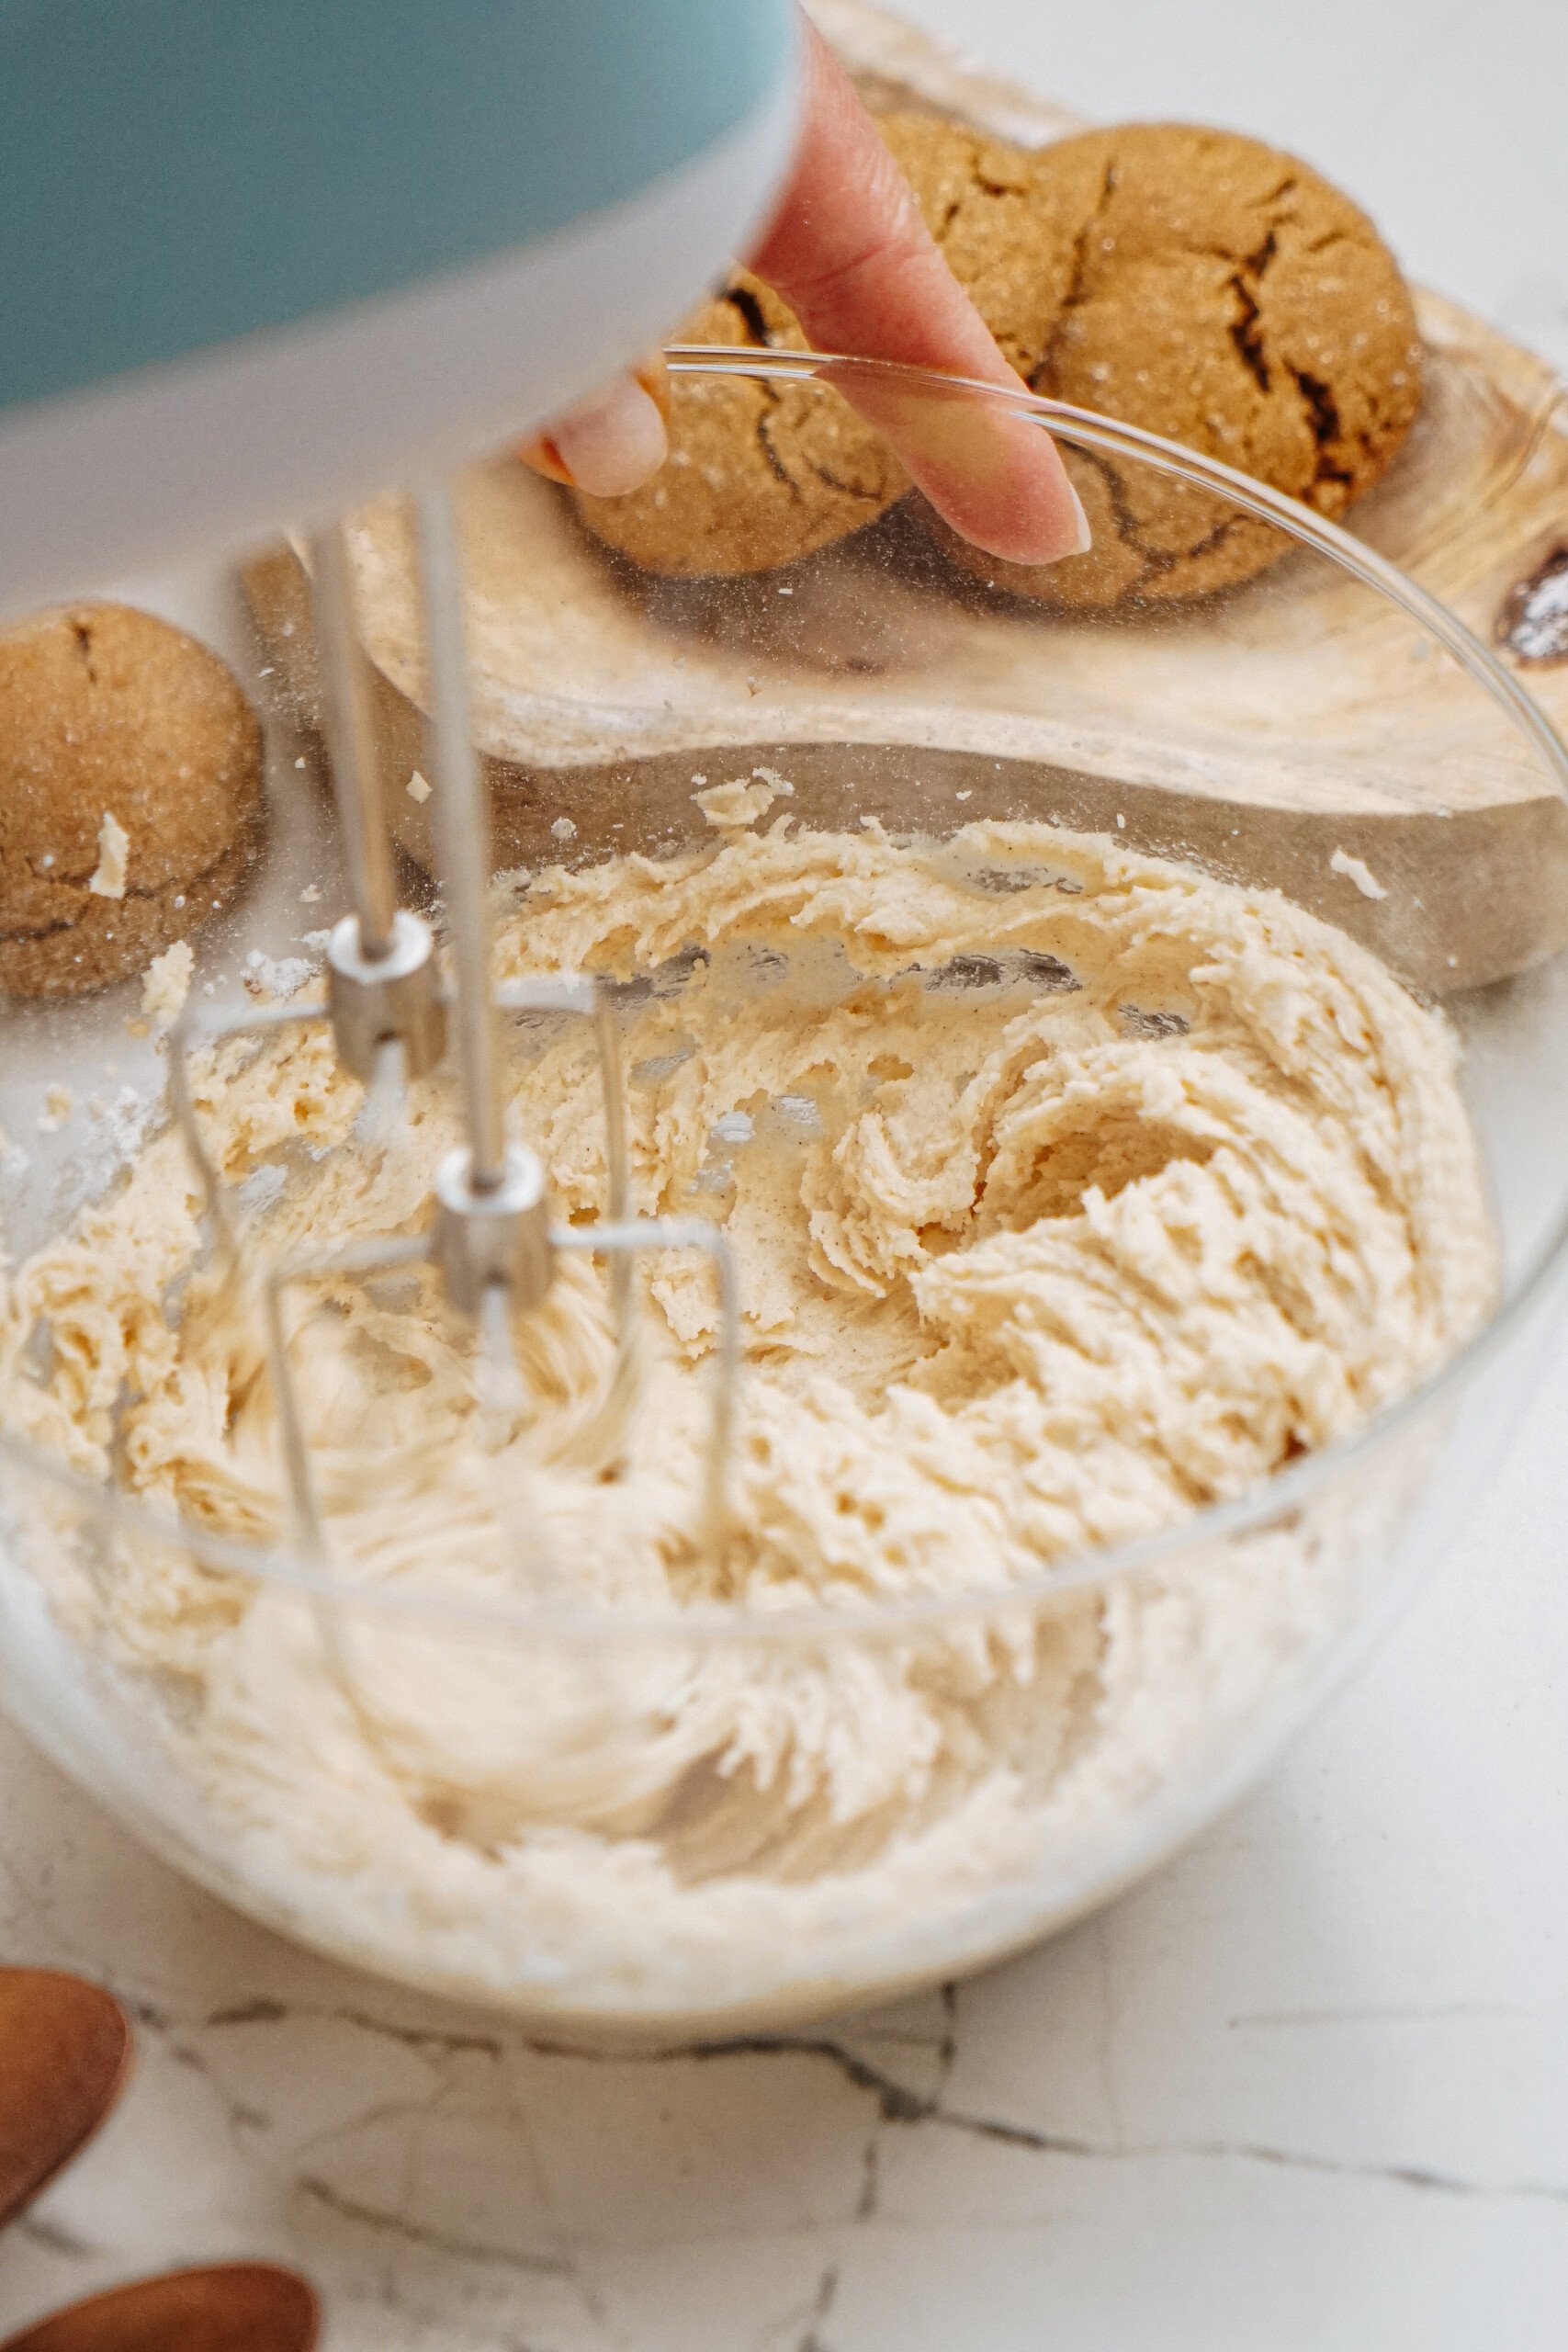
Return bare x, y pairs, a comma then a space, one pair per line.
1307, 2090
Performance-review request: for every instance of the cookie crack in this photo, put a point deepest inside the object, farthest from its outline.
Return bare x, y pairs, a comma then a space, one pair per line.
978, 184
1074, 297
749, 311
1121, 514
1157, 561
83, 632
992, 186
771, 457
45, 931
135, 893
830, 480
1323, 415
1258, 261
1206, 545
1248, 335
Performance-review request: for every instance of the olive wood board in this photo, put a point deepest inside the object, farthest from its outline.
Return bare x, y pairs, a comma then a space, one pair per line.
1260, 732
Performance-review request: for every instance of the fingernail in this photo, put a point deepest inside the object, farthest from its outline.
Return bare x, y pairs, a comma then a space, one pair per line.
1085, 536
614, 443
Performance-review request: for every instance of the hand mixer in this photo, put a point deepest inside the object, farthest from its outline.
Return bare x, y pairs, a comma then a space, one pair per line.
258, 262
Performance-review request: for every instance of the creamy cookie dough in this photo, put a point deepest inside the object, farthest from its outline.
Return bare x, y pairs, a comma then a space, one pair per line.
1070, 1191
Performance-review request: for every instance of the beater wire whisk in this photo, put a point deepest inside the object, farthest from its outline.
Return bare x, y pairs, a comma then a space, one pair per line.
490, 1237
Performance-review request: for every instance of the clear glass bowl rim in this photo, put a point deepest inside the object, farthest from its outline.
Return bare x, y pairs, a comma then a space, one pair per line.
1287, 1490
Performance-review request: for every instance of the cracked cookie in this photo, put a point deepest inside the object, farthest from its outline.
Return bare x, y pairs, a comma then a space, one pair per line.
758, 474
1008, 230
1224, 295
131, 790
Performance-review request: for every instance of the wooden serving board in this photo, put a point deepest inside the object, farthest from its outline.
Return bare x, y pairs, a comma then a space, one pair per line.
1263, 733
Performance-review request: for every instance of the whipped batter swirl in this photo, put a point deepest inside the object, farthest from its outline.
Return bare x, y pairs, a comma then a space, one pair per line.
1070, 1191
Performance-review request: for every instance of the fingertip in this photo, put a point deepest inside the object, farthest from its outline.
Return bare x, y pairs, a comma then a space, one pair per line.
1039, 519
608, 447
992, 473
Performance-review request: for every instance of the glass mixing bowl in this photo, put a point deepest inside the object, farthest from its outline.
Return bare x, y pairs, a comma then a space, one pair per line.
469, 1784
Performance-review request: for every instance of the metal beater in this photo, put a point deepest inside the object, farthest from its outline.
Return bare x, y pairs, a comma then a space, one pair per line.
490, 1237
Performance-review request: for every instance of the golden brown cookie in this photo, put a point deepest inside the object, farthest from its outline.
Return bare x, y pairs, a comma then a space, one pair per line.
130, 785
758, 474
1008, 230
1225, 296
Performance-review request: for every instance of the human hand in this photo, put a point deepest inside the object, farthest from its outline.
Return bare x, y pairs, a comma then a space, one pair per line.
847, 250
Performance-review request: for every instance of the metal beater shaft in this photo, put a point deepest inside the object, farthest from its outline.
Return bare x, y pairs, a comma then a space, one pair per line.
350, 727
462, 838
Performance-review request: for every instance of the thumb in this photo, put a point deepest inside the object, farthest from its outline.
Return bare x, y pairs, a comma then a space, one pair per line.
611, 442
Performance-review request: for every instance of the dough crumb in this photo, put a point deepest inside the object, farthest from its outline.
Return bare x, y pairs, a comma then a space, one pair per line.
108, 880
165, 984
418, 789
737, 803
276, 975
57, 1108
1356, 870
564, 830
263, 1188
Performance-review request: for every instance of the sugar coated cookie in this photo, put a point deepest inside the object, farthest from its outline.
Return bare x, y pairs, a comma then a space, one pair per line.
131, 787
